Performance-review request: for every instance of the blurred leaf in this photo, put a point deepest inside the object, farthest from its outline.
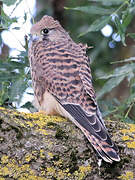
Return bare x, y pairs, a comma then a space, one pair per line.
109, 85
120, 71
116, 77
6, 20
3, 92
131, 98
0, 39
126, 18
132, 7
121, 30
11, 66
124, 61
7, 76
111, 2
98, 24
132, 35
17, 89
128, 120
9, 2
27, 105
92, 10
25, 17
130, 76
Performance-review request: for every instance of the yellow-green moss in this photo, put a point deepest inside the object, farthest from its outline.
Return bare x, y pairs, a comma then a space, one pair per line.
59, 163
44, 119
42, 153
131, 129
82, 172
43, 131
4, 159
131, 144
129, 175
2, 108
50, 155
128, 136
40, 120
31, 177
50, 171
9, 167
28, 157
20, 172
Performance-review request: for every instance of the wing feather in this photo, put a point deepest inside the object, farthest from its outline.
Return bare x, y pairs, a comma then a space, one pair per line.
72, 88
95, 132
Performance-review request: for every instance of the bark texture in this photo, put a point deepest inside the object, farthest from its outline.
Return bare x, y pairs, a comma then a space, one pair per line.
40, 147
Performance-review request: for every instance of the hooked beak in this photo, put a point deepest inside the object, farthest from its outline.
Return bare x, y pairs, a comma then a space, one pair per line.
35, 37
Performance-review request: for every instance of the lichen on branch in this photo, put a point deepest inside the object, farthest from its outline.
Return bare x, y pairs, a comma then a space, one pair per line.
36, 146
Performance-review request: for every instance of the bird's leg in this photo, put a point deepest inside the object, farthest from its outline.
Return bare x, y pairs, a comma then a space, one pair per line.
99, 165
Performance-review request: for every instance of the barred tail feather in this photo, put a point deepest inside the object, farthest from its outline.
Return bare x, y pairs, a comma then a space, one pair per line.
95, 131
104, 150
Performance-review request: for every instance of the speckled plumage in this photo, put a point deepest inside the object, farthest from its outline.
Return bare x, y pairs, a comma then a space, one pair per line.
62, 83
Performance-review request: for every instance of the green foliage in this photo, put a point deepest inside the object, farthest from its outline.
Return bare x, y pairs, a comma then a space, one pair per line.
126, 71
114, 79
97, 24
93, 10
13, 78
12, 2
14, 71
9, 2
6, 20
132, 35
119, 14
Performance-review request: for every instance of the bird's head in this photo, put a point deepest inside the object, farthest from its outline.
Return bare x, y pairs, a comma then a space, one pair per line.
48, 29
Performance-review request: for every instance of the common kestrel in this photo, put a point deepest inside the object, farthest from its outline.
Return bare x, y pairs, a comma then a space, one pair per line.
62, 83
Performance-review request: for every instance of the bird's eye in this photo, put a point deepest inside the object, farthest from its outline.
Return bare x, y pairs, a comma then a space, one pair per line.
45, 31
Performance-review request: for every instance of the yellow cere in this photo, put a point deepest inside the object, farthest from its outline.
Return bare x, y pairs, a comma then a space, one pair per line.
128, 135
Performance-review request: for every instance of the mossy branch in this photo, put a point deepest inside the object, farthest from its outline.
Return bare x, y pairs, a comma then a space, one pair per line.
35, 146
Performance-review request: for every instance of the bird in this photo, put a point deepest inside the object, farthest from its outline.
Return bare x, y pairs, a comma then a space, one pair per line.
62, 83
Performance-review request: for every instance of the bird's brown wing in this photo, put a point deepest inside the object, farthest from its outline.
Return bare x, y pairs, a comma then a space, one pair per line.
65, 74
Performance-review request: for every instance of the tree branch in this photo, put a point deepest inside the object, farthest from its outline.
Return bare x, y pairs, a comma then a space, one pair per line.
35, 146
